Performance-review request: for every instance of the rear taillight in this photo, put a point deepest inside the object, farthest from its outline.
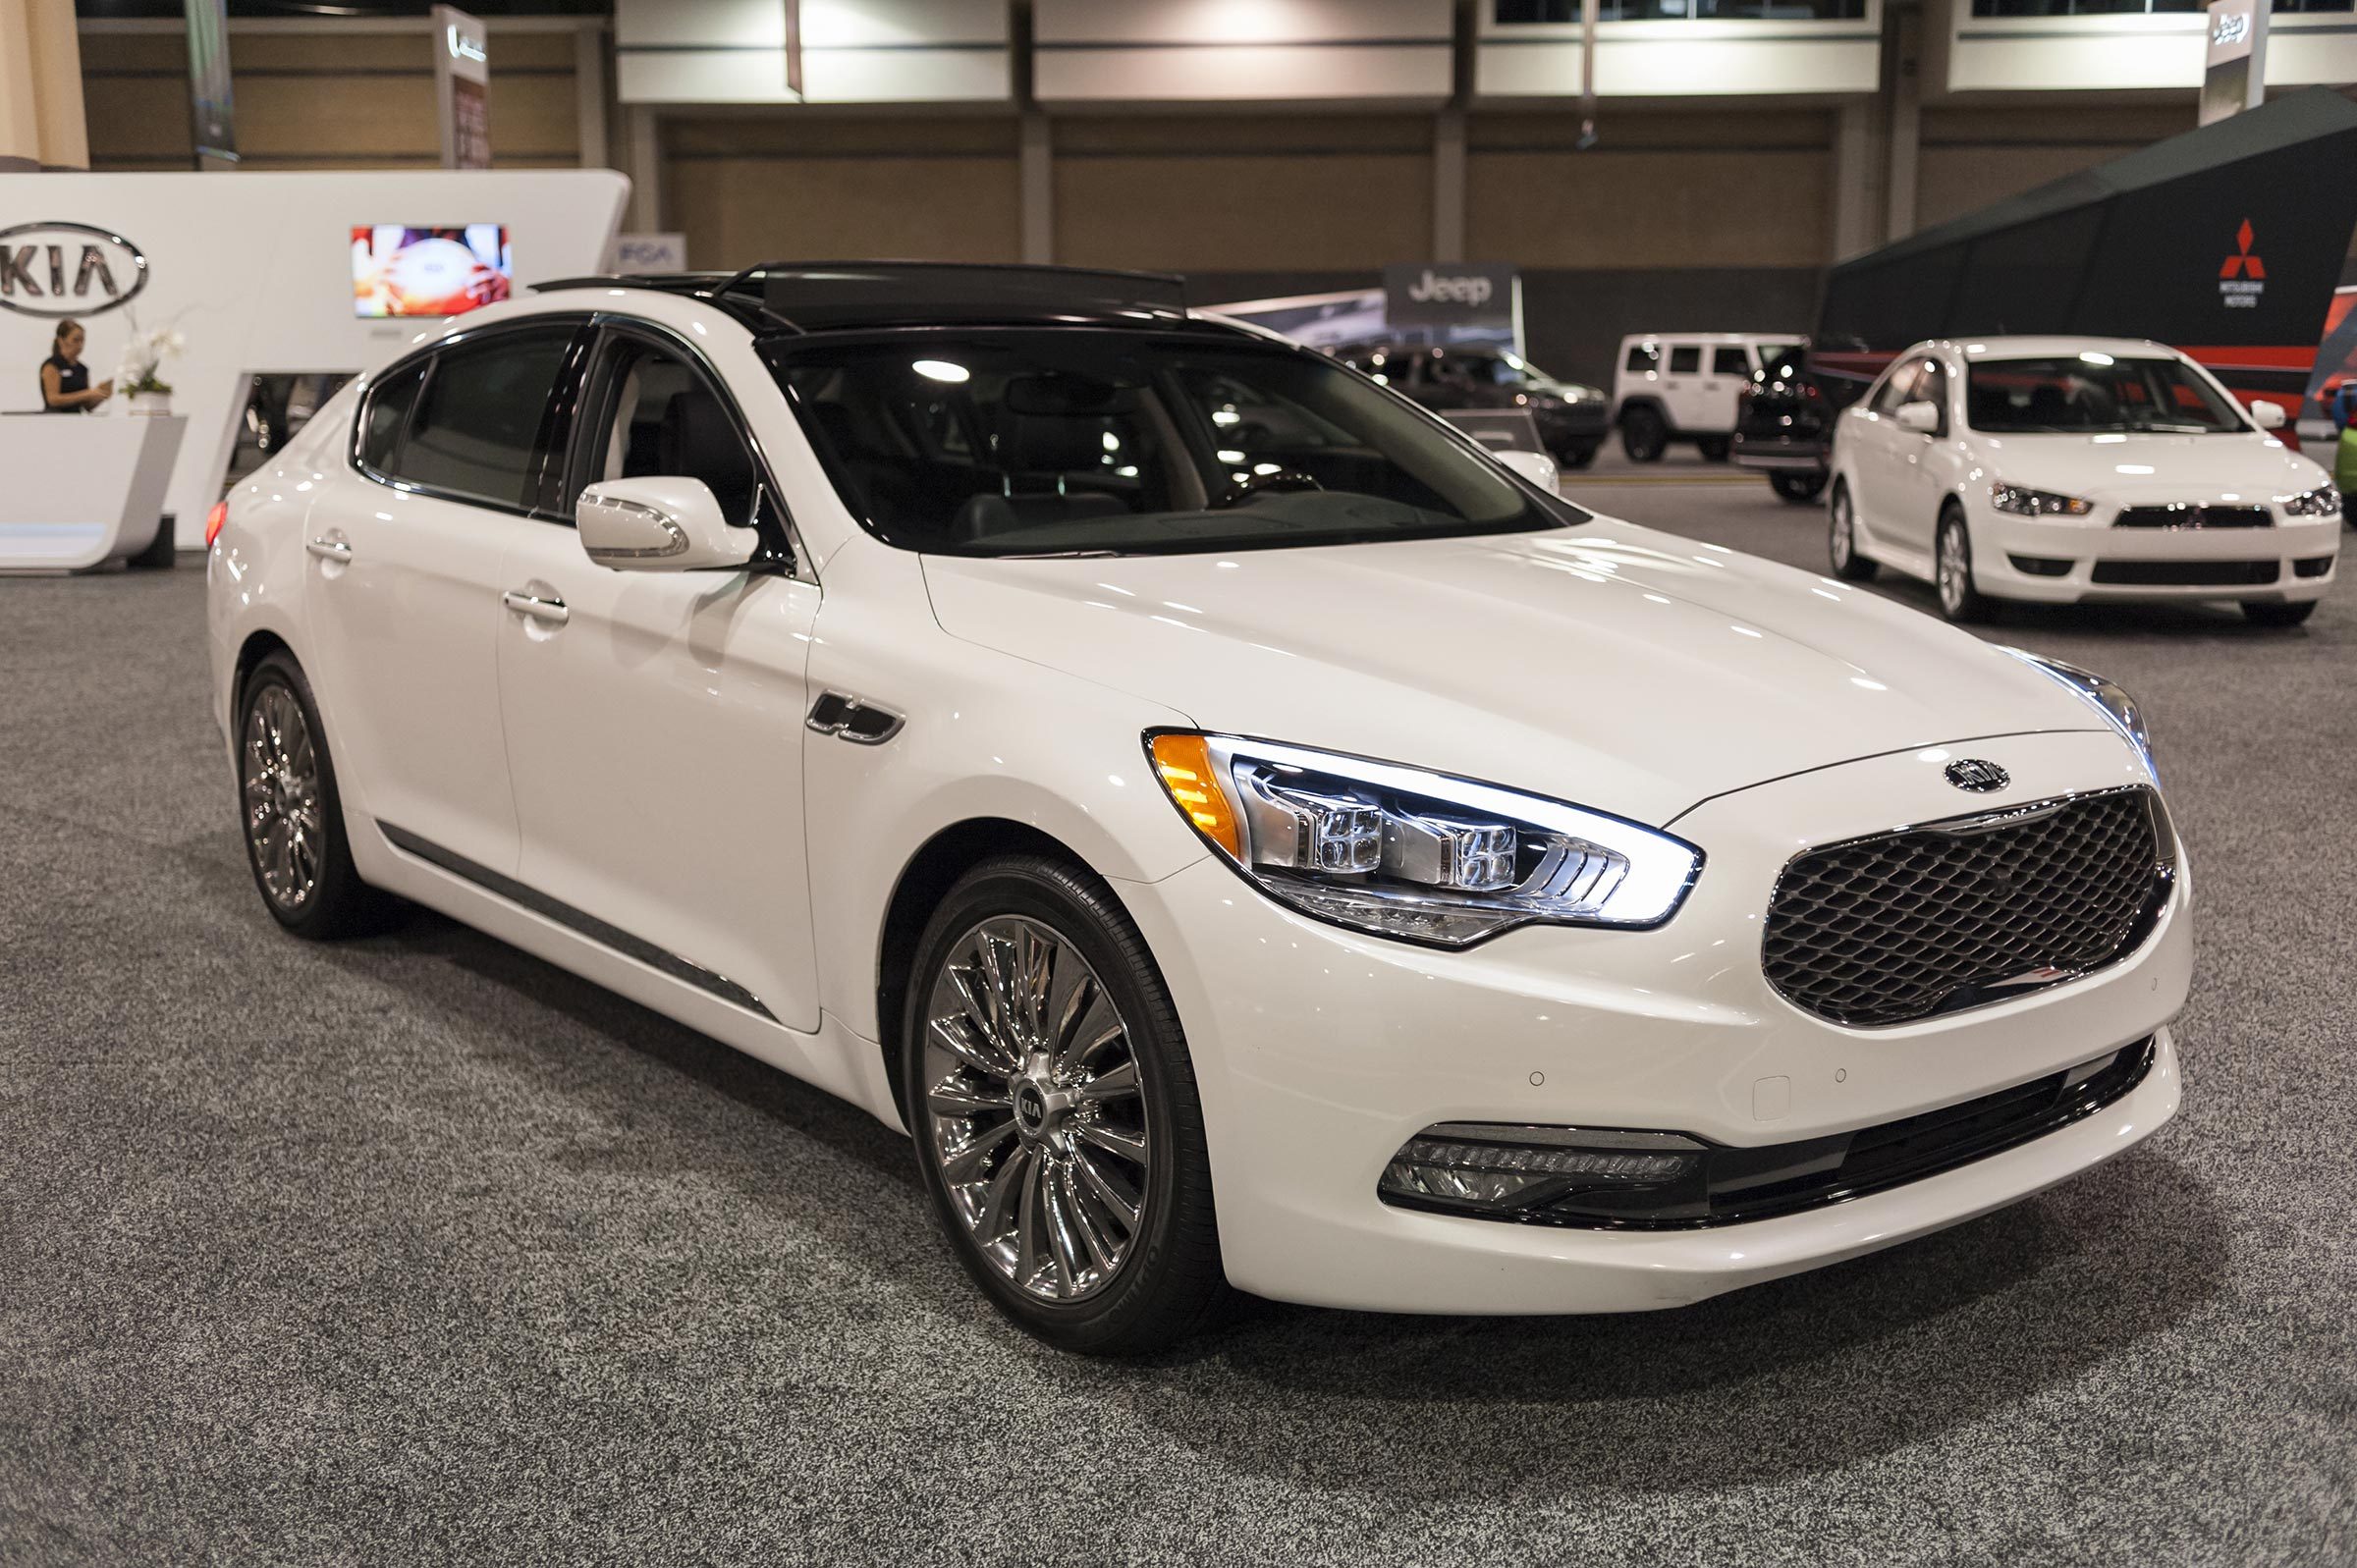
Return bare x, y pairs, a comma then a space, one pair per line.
213, 521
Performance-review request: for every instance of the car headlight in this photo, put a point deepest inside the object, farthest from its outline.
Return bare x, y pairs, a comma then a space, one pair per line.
2321, 502
1420, 856
2023, 502
2107, 696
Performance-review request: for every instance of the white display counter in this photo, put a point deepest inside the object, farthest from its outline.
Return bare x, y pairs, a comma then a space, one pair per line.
83, 489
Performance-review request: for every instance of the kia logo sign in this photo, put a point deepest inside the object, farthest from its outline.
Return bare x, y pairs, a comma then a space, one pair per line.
68, 269
1449, 295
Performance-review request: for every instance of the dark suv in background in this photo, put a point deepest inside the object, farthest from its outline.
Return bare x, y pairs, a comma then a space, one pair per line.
1785, 425
1571, 419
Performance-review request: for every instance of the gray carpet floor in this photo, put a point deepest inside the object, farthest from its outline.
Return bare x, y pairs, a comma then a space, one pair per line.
417, 1250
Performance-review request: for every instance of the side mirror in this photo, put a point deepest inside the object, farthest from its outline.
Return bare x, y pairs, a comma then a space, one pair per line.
1535, 467
1920, 417
665, 524
2266, 415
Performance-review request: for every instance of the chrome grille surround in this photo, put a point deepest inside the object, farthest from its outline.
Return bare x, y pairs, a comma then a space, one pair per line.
1967, 911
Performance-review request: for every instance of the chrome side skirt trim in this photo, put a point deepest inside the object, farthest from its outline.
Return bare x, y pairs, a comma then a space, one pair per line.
578, 921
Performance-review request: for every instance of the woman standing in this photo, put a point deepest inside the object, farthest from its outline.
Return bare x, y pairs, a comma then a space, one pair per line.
65, 379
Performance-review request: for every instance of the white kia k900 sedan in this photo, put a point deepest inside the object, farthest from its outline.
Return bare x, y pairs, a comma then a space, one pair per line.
1244, 832
2064, 469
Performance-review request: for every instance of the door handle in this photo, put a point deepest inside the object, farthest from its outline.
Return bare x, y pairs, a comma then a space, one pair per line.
329, 547
550, 612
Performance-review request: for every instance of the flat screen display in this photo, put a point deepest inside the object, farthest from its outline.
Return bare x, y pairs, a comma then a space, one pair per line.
402, 271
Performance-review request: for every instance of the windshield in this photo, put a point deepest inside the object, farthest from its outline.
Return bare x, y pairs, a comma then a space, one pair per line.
1058, 440
2093, 391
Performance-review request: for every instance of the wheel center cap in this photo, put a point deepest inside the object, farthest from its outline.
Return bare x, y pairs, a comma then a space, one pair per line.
1030, 1108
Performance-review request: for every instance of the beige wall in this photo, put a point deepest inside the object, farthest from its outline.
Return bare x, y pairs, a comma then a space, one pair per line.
307, 101
760, 186
1971, 157
40, 86
1224, 193
1664, 188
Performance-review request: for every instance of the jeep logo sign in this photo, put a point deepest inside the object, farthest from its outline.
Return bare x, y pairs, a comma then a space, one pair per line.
1449, 295
67, 269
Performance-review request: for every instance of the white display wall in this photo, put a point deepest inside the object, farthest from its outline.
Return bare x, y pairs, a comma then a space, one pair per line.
255, 270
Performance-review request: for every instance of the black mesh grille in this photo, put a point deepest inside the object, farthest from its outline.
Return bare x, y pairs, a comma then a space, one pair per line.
2194, 517
2186, 573
1884, 930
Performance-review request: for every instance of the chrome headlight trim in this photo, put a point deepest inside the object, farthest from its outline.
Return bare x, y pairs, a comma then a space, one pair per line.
1644, 875
2321, 502
2024, 500
2120, 710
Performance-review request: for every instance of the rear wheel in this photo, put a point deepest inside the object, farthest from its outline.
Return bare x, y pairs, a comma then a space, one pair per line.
1841, 540
1644, 434
2277, 614
1053, 1106
1578, 457
291, 813
1796, 487
1959, 600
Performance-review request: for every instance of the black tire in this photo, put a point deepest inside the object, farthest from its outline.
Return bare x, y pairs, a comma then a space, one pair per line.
1578, 457
1714, 449
2277, 614
1168, 1279
1797, 487
1842, 539
1959, 600
337, 902
1644, 433
162, 553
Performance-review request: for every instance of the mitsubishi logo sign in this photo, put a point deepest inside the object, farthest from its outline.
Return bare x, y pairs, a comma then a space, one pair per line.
67, 269
2243, 278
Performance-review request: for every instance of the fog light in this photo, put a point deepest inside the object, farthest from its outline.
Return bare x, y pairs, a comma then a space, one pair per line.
1505, 1170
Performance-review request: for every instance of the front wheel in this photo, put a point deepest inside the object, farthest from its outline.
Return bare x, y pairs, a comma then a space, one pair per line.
1644, 434
291, 812
1058, 1129
1959, 600
2277, 614
1842, 539
1796, 487
1714, 449
1578, 457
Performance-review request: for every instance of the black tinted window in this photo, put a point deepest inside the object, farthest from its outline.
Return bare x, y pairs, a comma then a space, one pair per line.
476, 431
1685, 362
1730, 362
665, 419
388, 412
1022, 442
1644, 356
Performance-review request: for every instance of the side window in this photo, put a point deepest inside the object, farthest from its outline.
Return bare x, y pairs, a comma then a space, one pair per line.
1899, 385
1644, 358
1730, 360
477, 429
663, 419
386, 416
1930, 386
1685, 359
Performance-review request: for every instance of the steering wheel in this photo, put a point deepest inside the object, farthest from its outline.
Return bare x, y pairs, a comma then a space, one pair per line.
1244, 489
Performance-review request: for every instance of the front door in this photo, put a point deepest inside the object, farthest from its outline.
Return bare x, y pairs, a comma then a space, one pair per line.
655, 732
404, 562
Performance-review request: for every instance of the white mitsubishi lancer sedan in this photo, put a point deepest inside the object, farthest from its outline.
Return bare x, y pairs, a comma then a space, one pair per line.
1247, 834
2070, 469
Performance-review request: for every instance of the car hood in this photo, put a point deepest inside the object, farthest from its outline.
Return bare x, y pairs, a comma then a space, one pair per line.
1626, 670
2249, 469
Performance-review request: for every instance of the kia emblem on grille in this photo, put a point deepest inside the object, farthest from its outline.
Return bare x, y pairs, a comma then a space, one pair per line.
1971, 772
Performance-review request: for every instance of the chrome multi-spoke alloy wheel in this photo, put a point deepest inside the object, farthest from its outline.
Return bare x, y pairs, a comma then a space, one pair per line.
1956, 570
279, 774
1035, 1109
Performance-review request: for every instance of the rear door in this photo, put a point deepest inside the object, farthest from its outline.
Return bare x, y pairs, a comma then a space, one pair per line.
654, 720
403, 582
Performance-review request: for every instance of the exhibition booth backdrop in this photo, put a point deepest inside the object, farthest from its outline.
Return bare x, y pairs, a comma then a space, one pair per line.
263, 274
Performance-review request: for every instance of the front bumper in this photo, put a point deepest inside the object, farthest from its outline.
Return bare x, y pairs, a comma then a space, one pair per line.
1320, 1052
1786, 452
2016, 558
